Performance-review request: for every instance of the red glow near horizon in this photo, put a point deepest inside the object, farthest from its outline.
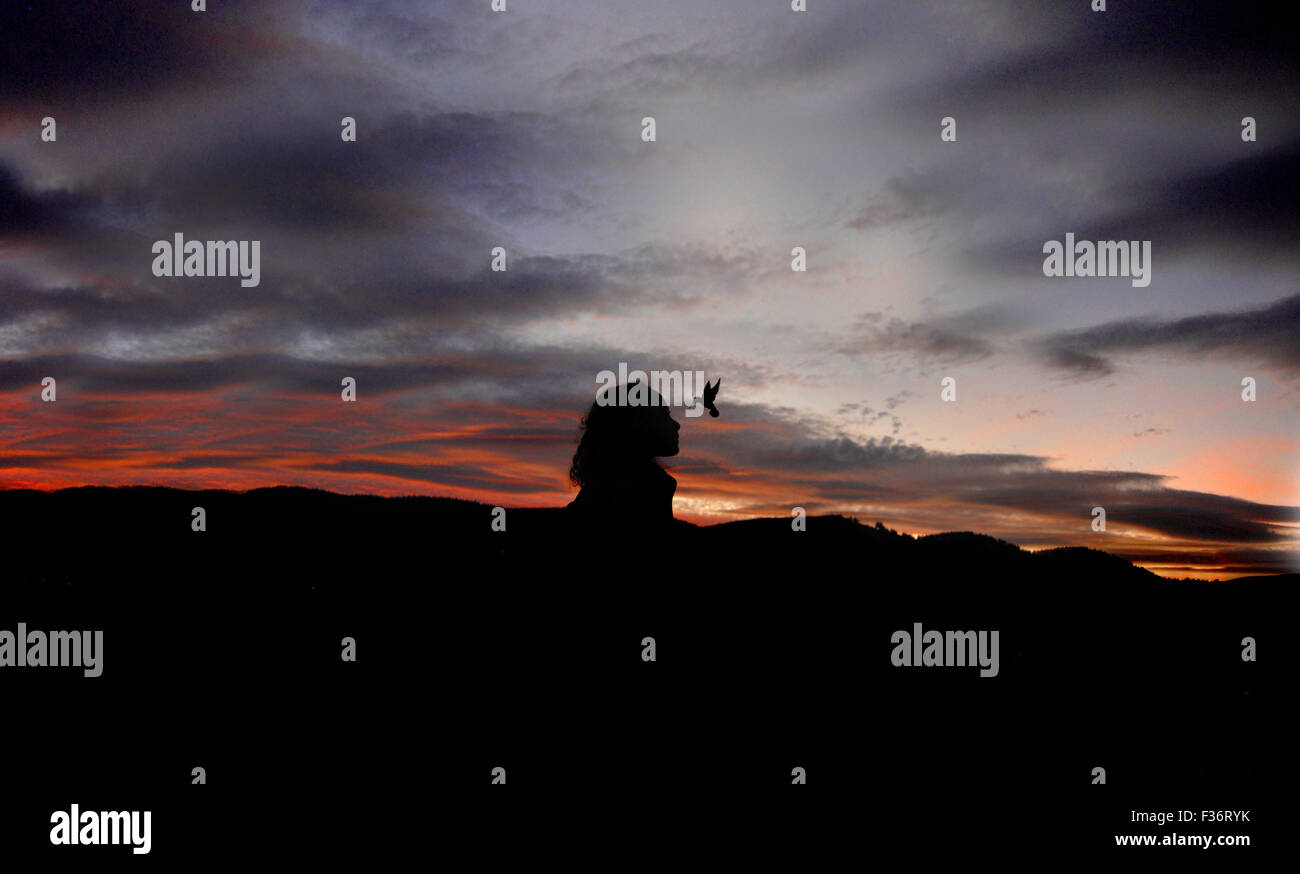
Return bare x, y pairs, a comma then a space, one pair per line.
507, 456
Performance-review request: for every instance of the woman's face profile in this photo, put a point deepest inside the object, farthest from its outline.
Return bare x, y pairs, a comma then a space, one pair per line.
663, 430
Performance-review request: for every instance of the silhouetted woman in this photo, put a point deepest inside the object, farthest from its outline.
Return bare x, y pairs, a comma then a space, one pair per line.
621, 483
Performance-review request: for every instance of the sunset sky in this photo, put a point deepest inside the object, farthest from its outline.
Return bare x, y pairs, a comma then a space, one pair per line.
775, 129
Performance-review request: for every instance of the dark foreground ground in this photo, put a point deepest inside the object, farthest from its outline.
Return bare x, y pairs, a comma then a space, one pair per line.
523, 650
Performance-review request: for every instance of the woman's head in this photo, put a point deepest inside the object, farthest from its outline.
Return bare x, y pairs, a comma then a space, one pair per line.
616, 437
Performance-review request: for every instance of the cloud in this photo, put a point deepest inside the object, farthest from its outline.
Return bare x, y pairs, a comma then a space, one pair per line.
28, 215
1053, 50
80, 51
923, 341
1240, 209
1260, 337
908, 198
519, 131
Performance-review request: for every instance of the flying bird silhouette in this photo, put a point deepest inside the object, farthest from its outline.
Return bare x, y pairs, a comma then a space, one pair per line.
711, 392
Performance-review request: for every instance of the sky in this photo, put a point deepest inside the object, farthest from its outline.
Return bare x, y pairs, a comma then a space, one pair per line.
774, 129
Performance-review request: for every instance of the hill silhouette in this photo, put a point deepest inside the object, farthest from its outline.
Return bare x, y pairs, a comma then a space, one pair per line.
299, 529
523, 648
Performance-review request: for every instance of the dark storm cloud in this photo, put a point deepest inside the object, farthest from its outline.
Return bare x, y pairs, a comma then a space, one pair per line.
1119, 125
411, 192
1252, 199
1132, 47
84, 313
495, 371
398, 226
1246, 207
83, 50
293, 170
1265, 336
41, 216
405, 302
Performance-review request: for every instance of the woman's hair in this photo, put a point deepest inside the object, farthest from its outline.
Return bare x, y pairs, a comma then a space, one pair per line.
613, 438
